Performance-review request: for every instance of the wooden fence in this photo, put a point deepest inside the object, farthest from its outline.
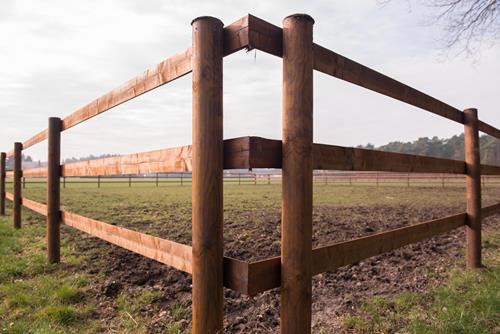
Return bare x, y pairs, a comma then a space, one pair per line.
295, 154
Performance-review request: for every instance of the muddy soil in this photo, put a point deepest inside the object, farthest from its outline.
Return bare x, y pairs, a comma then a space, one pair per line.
255, 235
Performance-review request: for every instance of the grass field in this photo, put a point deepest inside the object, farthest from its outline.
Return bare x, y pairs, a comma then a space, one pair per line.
100, 288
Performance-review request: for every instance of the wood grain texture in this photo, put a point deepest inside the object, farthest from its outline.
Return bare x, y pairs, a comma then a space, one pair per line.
35, 172
489, 129
472, 189
35, 206
167, 252
207, 182
297, 175
331, 157
268, 38
159, 161
235, 36
331, 63
39, 137
265, 274
166, 71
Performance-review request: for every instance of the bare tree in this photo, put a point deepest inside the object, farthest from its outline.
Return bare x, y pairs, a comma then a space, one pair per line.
469, 24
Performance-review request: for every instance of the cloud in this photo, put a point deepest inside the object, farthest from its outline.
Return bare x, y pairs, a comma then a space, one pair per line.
57, 56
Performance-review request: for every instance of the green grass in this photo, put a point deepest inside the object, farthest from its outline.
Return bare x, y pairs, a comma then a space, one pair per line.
36, 297
467, 303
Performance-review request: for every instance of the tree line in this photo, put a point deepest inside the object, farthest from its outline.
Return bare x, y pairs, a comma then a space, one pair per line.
449, 148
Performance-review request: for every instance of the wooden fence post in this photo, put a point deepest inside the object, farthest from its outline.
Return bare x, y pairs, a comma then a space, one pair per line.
98, 181
182, 179
54, 190
24, 182
157, 179
297, 195
207, 177
64, 181
3, 157
16, 210
473, 188
130, 181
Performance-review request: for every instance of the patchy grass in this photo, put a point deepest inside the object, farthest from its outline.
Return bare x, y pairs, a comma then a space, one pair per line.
468, 303
36, 297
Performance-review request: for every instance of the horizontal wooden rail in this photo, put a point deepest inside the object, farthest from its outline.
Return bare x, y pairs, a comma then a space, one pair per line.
268, 38
35, 172
490, 210
264, 275
486, 128
167, 252
9, 196
256, 152
235, 39
9, 173
35, 206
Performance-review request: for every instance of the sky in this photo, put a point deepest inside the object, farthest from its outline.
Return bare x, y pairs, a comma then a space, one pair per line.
58, 55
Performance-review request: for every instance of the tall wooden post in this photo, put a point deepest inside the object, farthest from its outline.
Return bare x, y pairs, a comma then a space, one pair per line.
297, 195
16, 210
54, 190
3, 157
207, 164
473, 188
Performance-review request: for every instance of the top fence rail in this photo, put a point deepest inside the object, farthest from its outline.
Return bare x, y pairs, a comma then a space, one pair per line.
250, 33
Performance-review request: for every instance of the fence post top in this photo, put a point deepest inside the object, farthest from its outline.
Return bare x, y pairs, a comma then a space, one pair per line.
299, 16
207, 18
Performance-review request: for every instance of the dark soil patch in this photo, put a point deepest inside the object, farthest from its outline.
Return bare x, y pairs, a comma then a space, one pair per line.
252, 235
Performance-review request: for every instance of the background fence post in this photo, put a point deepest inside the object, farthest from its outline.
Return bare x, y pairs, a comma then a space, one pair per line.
207, 177
54, 190
98, 181
157, 179
24, 182
130, 181
16, 210
473, 188
3, 157
296, 228
64, 182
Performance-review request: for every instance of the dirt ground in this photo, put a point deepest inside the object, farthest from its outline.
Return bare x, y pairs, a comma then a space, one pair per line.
413, 268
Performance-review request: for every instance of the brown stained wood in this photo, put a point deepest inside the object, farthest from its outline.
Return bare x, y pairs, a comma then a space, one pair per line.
9, 196
2, 183
16, 209
54, 191
490, 170
35, 206
236, 275
297, 175
265, 36
9, 173
268, 38
472, 188
265, 274
488, 129
35, 172
331, 63
490, 210
160, 161
39, 137
168, 70
164, 251
207, 184
331, 157
236, 36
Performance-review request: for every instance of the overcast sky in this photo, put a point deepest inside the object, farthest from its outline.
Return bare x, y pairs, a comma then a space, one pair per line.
58, 55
